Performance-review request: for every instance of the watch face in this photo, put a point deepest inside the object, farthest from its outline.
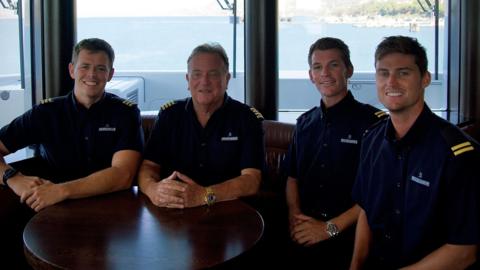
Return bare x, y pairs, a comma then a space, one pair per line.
211, 198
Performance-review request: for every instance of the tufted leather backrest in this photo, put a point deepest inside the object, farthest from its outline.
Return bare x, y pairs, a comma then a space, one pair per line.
278, 136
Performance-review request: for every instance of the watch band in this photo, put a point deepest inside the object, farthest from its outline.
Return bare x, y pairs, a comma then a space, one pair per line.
9, 173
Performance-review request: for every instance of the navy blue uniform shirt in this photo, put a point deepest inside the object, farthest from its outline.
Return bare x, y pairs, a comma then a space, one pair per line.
73, 141
231, 141
419, 192
323, 156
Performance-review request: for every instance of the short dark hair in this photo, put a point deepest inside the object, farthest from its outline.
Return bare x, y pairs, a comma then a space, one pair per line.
212, 47
328, 43
93, 45
403, 45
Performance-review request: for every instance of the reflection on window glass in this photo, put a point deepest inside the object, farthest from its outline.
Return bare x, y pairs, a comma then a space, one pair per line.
159, 35
9, 47
361, 25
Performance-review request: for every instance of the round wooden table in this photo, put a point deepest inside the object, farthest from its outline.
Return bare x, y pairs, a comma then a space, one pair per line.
124, 230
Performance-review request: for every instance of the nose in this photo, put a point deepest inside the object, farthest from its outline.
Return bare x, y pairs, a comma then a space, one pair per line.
325, 71
392, 79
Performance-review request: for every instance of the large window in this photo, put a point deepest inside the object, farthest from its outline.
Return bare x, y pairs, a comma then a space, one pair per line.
153, 39
11, 93
361, 25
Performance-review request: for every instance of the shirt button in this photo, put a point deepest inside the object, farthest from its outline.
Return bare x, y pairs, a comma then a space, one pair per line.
388, 236
325, 144
397, 211
320, 186
398, 185
322, 165
86, 138
399, 157
201, 165
203, 144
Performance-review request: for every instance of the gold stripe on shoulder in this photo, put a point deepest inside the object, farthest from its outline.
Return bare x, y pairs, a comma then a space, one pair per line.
380, 114
129, 103
257, 113
167, 105
460, 145
46, 101
462, 148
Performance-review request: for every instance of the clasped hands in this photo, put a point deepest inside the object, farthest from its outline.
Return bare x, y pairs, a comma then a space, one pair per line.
306, 230
177, 191
36, 192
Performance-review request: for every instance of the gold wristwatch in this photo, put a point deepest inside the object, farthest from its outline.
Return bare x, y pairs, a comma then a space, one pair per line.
210, 197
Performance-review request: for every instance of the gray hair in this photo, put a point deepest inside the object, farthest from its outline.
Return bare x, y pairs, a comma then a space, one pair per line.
214, 48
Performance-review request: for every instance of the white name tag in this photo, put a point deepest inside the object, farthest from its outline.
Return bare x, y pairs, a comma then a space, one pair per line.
107, 129
349, 141
420, 181
229, 139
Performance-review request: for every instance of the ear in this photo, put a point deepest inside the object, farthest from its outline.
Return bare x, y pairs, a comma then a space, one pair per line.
426, 79
349, 72
110, 76
311, 76
228, 77
71, 70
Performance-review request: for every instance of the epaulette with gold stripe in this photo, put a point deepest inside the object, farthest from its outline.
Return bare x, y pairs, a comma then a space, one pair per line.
167, 105
462, 148
46, 101
129, 103
457, 141
257, 113
380, 114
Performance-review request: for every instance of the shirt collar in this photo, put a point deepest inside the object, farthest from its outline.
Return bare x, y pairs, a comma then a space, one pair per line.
414, 134
189, 103
80, 108
338, 109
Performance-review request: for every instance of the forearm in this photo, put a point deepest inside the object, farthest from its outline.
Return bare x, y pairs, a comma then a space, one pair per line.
363, 237
347, 218
246, 184
292, 197
118, 176
101, 182
447, 257
148, 175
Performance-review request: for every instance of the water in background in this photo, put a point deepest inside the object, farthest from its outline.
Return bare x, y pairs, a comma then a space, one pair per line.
164, 43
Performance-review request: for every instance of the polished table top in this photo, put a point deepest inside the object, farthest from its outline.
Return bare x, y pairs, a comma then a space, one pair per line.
124, 230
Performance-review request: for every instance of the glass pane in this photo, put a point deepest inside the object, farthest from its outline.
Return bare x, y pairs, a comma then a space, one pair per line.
158, 35
152, 40
9, 47
361, 25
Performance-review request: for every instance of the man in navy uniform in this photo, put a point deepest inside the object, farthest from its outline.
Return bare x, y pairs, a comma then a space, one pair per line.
89, 141
417, 182
323, 161
205, 148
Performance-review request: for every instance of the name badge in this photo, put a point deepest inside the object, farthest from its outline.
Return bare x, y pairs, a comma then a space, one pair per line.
420, 181
350, 141
229, 139
107, 129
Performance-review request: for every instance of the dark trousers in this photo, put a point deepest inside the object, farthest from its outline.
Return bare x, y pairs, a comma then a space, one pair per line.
13, 218
335, 253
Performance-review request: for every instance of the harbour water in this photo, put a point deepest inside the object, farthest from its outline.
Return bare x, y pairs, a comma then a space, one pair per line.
164, 43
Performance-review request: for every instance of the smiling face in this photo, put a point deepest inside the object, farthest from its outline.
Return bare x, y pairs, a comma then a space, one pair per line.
400, 85
207, 80
330, 75
91, 73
